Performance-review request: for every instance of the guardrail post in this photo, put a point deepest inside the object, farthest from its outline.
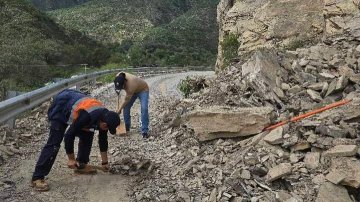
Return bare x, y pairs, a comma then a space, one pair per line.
11, 94
93, 81
77, 86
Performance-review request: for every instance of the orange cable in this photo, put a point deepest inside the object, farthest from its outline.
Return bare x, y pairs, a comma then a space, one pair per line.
302, 116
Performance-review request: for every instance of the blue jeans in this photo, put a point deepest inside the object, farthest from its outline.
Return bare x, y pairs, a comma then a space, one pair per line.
144, 101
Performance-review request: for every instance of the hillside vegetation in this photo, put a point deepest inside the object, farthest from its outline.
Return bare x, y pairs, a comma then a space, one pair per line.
56, 4
31, 44
149, 32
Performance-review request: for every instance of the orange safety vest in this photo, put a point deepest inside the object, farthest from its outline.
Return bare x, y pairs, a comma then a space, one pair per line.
88, 104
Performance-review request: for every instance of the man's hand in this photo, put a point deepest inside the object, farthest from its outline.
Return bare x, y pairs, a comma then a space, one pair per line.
72, 163
105, 166
118, 111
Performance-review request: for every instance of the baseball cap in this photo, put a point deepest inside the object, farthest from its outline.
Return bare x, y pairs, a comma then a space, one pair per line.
119, 82
112, 120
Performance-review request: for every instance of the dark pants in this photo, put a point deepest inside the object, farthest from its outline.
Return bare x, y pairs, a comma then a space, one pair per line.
50, 150
85, 144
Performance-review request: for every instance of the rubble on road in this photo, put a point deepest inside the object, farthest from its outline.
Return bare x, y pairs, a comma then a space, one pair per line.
314, 159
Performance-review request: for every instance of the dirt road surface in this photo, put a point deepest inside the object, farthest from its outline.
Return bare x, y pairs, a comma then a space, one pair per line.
67, 186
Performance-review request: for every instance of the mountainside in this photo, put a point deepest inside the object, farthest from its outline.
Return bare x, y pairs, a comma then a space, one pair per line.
31, 41
152, 32
245, 26
56, 4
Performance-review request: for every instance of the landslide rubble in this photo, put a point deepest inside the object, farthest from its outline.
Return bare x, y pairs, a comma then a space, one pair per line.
211, 152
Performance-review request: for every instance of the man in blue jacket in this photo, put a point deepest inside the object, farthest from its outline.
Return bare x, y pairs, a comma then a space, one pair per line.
84, 115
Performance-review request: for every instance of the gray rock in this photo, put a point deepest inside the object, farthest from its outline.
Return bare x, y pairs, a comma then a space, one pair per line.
279, 171
279, 92
301, 146
317, 86
285, 86
332, 131
342, 82
303, 62
312, 160
330, 192
245, 174
342, 150
307, 77
335, 177
213, 195
312, 138
219, 122
332, 87
314, 95
326, 75
318, 179
275, 136
295, 89
294, 158
345, 171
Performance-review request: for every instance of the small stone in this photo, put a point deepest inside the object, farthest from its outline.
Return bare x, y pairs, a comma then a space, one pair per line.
314, 95
332, 88
237, 199
303, 62
358, 47
26, 135
327, 75
294, 158
324, 89
282, 195
301, 146
294, 89
275, 136
310, 68
312, 138
312, 160
341, 150
308, 77
342, 82
279, 171
318, 179
212, 197
303, 170
6, 151
185, 196
279, 92
245, 174
285, 86
227, 195
317, 86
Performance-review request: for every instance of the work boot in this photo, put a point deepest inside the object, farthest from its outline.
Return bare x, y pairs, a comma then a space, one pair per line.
85, 169
40, 185
145, 135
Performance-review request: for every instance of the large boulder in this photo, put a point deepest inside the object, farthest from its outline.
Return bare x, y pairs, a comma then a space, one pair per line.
219, 122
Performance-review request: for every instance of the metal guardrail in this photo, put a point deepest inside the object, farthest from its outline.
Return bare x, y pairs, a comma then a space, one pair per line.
19, 104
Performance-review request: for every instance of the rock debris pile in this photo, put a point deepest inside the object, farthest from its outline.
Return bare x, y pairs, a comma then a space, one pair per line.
214, 147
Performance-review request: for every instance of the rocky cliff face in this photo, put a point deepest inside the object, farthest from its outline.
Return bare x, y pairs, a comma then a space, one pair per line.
56, 4
285, 24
